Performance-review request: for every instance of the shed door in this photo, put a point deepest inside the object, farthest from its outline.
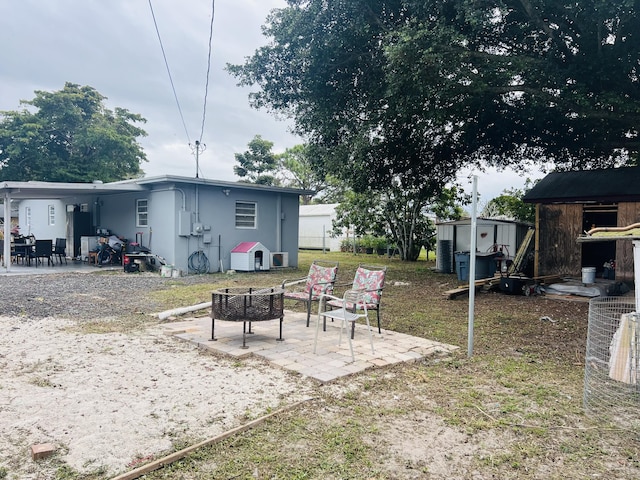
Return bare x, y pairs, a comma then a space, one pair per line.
595, 254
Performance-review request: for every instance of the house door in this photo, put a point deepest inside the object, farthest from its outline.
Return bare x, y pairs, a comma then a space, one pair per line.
595, 254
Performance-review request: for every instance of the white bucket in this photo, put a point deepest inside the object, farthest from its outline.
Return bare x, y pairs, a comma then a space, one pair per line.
589, 275
166, 271
176, 273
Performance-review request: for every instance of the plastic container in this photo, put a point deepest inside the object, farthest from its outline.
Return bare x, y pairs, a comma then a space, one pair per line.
588, 275
166, 271
485, 265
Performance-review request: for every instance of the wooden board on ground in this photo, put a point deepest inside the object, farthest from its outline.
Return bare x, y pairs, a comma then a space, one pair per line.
488, 283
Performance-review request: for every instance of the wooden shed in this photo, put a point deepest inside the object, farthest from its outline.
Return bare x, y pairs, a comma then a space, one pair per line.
571, 203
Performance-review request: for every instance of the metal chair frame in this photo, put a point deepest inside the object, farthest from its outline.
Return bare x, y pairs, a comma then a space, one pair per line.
345, 315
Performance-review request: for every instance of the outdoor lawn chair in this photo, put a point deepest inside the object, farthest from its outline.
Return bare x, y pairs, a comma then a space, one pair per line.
321, 278
345, 314
369, 278
60, 249
43, 249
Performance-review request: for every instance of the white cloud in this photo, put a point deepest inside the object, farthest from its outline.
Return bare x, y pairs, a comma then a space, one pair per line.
113, 47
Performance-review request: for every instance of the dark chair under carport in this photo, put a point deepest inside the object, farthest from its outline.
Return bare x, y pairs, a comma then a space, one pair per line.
43, 249
60, 250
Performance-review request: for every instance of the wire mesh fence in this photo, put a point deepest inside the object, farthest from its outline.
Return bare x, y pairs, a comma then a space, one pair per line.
612, 364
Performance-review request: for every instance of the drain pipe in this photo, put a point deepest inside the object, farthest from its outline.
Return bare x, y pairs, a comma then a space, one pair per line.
182, 310
279, 220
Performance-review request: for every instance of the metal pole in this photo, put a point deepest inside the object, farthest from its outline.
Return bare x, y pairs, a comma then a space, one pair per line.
472, 265
636, 272
197, 157
324, 250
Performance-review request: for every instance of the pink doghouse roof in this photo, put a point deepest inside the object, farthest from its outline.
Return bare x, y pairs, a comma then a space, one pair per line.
245, 247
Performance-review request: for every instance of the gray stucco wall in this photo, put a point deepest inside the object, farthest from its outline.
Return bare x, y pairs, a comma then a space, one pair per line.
173, 212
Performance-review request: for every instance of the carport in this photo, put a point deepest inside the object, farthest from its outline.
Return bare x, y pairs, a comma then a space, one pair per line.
51, 190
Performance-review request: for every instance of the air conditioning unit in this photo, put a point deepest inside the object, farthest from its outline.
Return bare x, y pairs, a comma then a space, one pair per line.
279, 259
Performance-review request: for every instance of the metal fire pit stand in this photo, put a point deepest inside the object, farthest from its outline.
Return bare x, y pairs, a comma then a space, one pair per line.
247, 305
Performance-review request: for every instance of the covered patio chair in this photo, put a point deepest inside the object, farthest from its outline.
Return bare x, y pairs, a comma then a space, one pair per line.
370, 279
43, 249
321, 278
345, 314
60, 249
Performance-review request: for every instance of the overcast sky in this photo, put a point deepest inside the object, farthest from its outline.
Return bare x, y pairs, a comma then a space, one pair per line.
113, 47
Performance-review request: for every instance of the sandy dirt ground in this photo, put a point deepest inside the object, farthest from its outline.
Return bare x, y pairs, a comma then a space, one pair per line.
108, 400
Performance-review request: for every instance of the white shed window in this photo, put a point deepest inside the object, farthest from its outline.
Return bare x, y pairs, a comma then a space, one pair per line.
52, 214
246, 214
142, 213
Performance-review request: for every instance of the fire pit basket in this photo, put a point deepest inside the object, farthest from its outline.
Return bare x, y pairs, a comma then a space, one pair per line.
246, 305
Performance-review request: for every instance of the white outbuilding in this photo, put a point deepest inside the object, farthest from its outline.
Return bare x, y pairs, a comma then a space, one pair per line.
316, 224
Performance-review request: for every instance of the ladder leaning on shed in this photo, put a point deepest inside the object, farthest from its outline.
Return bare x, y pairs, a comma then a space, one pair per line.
518, 261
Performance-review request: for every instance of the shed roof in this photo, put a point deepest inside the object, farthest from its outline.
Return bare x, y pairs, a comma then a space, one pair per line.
603, 185
482, 221
318, 209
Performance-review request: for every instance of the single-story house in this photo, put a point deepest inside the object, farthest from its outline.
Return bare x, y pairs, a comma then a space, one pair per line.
568, 204
191, 223
316, 224
503, 236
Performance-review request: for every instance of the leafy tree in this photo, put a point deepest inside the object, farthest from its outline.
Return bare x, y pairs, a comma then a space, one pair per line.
258, 164
510, 205
404, 216
412, 90
297, 171
70, 136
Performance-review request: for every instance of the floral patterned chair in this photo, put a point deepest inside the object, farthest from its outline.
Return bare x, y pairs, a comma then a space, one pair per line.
321, 279
369, 278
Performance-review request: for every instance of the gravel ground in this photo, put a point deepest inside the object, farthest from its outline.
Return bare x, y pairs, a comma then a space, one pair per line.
110, 400
82, 295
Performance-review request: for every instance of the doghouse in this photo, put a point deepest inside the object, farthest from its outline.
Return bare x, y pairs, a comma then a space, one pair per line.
250, 257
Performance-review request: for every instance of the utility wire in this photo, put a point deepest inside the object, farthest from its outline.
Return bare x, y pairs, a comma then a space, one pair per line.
175, 95
206, 87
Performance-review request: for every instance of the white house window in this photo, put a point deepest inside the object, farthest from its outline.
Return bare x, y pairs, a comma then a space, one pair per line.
142, 213
27, 217
52, 215
246, 214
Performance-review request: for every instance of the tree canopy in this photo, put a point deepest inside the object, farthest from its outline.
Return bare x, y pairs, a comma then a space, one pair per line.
70, 136
510, 205
258, 164
405, 216
414, 90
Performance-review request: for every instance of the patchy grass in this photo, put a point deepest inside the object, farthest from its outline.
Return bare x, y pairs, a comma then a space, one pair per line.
513, 410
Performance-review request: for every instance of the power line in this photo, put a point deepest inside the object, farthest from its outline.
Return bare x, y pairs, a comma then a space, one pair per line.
175, 95
206, 87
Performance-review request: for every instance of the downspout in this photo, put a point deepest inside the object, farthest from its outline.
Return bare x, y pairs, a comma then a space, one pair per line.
197, 203
279, 220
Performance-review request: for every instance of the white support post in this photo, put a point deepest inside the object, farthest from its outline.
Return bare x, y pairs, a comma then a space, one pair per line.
472, 266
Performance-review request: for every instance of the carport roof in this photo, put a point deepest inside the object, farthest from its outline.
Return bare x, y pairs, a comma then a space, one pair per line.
31, 190
39, 190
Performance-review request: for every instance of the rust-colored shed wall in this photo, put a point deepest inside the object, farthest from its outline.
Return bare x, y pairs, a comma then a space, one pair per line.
557, 251
628, 213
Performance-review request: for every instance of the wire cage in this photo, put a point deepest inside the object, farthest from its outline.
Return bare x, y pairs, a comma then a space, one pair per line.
612, 363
